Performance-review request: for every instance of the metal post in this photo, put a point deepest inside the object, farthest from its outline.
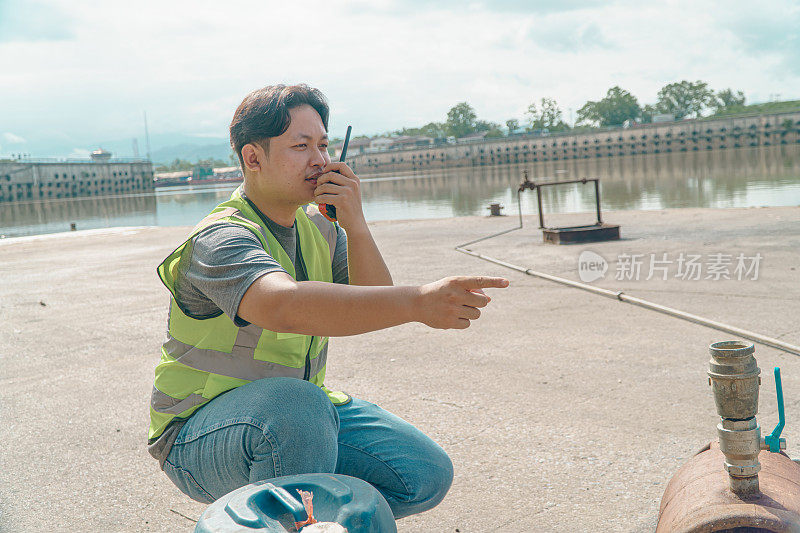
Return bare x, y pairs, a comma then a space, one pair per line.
539, 203
597, 201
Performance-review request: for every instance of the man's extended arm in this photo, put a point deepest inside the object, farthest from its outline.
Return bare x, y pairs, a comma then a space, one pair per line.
279, 303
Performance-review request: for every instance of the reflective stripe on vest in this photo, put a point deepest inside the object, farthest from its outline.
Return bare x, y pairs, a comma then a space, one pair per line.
239, 364
206, 356
167, 404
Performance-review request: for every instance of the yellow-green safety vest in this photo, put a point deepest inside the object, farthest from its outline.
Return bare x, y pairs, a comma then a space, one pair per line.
206, 356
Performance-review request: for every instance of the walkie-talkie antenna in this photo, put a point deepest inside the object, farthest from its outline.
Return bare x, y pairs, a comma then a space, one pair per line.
346, 142
327, 210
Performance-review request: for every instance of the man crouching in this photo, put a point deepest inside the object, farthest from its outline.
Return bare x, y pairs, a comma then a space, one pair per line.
257, 288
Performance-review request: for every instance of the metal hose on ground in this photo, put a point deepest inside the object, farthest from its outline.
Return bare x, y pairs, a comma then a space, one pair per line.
622, 297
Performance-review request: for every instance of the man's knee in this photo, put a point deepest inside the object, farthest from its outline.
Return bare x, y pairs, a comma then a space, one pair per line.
428, 488
289, 398
438, 480
300, 425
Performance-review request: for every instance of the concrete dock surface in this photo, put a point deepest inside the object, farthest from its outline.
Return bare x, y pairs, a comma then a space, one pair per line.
561, 410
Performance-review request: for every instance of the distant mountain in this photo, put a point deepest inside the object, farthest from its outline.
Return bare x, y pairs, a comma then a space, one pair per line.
164, 147
191, 152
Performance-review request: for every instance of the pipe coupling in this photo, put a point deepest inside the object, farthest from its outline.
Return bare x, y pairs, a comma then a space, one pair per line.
740, 441
734, 378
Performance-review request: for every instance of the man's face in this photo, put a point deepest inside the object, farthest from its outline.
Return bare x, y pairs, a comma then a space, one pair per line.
295, 159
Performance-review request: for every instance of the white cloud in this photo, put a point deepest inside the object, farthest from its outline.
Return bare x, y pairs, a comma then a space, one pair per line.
13, 139
382, 65
32, 20
79, 153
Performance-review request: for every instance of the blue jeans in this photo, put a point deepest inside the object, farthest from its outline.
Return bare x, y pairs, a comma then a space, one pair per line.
280, 426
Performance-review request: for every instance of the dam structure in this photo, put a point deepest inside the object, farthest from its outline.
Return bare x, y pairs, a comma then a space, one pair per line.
680, 136
44, 179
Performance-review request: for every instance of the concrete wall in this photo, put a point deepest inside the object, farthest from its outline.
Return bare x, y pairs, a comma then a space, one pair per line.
683, 136
35, 180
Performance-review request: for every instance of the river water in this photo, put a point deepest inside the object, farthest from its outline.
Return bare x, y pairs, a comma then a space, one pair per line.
742, 177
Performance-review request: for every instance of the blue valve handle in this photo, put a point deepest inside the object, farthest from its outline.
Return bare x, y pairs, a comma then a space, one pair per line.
773, 440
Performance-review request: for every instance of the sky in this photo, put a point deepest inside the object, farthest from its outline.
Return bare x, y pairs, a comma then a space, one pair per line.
75, 75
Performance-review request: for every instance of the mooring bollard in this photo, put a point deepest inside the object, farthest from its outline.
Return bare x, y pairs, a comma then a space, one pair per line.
494, 209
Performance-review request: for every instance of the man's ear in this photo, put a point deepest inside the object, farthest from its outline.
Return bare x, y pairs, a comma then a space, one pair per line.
253, 156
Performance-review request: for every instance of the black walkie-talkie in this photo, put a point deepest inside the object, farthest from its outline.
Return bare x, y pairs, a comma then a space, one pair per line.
327, 210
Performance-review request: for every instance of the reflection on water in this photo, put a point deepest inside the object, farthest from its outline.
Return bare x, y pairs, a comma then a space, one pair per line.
741, 177
51, 216
726, 178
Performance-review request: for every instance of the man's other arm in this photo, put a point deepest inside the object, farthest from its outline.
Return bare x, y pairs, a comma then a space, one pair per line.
340, 187
365, 264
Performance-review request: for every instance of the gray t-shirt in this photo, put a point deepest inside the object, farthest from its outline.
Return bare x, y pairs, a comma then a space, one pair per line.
219, 265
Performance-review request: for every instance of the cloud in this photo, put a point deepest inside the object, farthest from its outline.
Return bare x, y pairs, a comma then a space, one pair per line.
384, 64
13, 139
769, 32
566, 37
538, 7
30, 21
79, 153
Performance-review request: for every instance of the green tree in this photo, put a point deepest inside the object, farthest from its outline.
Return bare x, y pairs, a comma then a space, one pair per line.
512, 124
726, 99
431, 129
175, 166
534, 118
492, 129
434, 129
183, 164
684, 98
647, 113
460, 120
546, 115
484, 125
615, 108
411, 132
211, 162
